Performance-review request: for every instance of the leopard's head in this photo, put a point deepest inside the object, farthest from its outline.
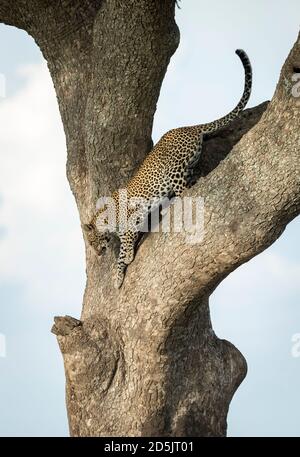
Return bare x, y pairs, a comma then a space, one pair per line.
98, 240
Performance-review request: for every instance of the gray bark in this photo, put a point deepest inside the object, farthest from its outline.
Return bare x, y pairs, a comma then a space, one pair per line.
144, 360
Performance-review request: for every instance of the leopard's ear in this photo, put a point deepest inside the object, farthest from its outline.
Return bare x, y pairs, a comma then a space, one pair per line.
87, 227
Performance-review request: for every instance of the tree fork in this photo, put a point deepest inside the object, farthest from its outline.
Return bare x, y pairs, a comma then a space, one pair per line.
144, 360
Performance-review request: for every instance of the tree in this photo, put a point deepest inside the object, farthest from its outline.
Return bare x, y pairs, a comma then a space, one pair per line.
144, 360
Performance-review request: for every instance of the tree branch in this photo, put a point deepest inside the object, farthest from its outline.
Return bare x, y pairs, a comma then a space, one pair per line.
145, 360
65, 16
249, 199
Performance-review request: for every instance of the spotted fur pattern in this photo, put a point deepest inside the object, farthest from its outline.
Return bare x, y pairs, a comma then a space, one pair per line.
165, 172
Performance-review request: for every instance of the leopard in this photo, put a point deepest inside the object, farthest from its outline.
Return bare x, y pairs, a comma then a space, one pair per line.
165, 172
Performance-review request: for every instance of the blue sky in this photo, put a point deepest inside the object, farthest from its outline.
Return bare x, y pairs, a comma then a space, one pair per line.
41, 248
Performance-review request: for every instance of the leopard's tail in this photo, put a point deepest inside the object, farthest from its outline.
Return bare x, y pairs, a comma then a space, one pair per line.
219, 123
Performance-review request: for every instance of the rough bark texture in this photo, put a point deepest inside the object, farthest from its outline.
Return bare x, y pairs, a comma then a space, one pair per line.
144, 360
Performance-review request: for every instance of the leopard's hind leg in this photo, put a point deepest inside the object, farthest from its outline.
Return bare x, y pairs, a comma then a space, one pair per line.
189, 173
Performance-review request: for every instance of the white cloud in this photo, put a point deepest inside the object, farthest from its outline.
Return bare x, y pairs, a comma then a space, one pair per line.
267, 286
42, 247
270, 272
257, 309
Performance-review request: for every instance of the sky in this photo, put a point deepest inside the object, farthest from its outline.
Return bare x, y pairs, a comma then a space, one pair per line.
42, 272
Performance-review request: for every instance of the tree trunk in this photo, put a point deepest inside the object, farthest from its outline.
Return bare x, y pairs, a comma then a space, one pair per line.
144, 360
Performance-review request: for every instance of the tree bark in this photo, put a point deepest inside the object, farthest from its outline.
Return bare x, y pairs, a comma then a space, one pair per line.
144, 360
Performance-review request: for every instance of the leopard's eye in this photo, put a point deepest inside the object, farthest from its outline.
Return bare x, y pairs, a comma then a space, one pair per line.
87, 227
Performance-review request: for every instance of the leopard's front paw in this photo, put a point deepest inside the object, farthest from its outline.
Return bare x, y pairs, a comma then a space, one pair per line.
120, 277
129, 257
118, 282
